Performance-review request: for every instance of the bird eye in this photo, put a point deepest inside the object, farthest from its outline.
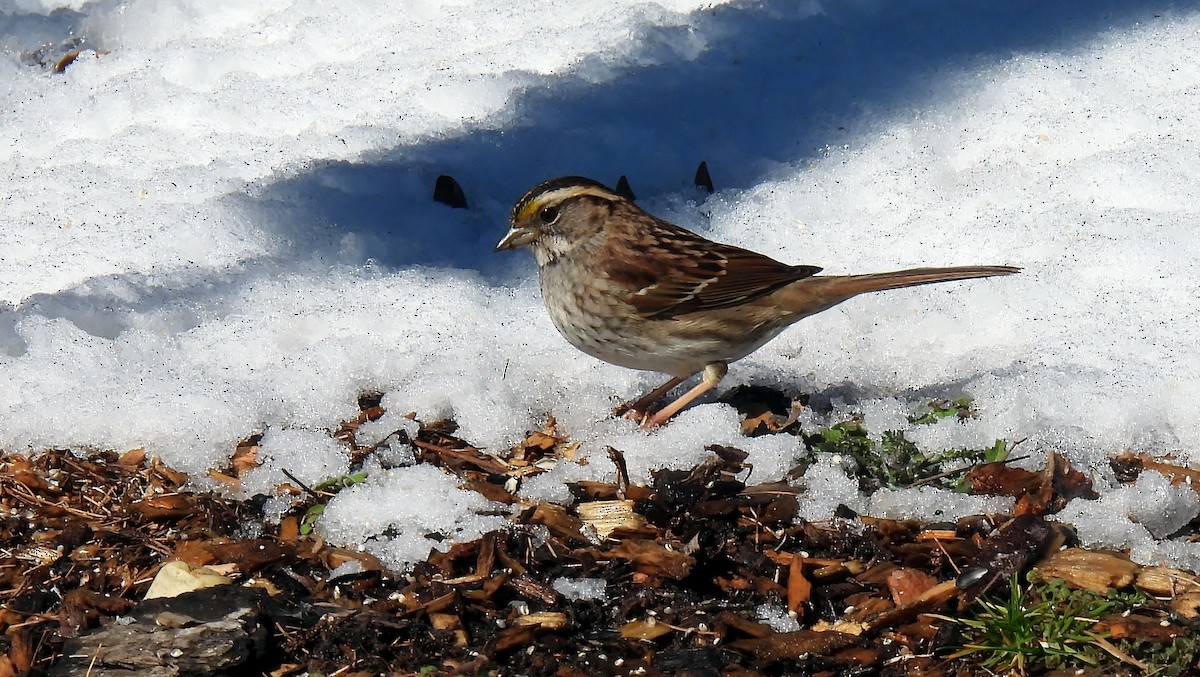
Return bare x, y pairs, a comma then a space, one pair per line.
548, 214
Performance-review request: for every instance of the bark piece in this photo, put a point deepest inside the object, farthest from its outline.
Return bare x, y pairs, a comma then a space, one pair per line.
203, 632
791, 645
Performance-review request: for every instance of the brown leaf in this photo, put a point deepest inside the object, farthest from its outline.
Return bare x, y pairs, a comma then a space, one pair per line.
172, 477
1068, 482
250, 555
335, 557
289, 528
653, 558
197, 553
558, 521
1129, 466
227, 480
928, 601
165, 506
1001, 479
21, 651
245, 458
799, 588
133, 458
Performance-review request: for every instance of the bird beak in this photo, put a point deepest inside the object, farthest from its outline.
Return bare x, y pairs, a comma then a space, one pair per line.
517, 237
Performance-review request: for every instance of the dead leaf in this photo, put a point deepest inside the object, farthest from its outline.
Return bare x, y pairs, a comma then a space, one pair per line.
654, 558
799, 588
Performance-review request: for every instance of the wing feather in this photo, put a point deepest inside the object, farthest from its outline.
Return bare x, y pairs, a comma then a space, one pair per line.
671, 271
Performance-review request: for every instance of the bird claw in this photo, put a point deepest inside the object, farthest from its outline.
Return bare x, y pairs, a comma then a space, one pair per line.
650, 423
644, 419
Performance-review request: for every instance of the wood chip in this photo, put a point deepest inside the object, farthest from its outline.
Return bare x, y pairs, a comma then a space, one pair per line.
928, 601
1139, 627
908, 585
176, 578
646, 630
605, 517
441, 621
744, 625
938, 535
1166, 582
1187, 605
531, 589
547, 620
1089, 570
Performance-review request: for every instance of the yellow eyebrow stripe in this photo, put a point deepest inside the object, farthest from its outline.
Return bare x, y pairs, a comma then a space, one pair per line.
560, 195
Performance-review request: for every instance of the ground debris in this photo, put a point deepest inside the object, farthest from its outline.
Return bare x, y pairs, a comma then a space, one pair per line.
1090, 570
694, 573
202, 632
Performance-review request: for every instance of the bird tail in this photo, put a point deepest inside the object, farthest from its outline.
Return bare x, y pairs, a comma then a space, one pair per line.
820, 292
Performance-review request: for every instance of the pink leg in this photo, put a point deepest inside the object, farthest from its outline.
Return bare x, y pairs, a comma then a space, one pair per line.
713, 373
636, 409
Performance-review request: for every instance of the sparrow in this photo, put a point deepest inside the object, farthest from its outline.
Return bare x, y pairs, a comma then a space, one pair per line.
634, 290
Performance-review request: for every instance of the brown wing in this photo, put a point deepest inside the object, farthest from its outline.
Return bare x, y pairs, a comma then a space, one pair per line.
671, 271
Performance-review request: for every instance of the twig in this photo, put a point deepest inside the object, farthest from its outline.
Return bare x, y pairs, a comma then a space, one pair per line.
300, 484
618, 459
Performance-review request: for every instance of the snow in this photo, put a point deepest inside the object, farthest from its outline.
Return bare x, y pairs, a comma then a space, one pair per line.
216, 223
1138, 517
778, 618
576, 589
404, 515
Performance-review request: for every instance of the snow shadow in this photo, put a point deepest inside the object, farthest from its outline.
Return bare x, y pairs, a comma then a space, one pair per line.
769, 84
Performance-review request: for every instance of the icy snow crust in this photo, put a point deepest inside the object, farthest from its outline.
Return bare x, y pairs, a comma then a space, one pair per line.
222, 226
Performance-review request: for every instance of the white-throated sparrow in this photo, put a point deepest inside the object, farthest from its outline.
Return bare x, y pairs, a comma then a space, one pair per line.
632, 289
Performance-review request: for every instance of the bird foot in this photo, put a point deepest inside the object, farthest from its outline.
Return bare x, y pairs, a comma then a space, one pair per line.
629, 413
644, 419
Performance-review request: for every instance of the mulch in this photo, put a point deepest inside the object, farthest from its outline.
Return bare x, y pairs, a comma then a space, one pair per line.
695, 573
